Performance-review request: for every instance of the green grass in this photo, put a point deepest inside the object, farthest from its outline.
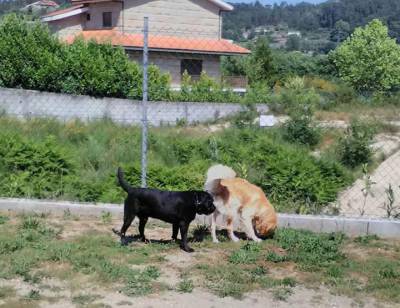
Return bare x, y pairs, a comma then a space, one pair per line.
185, 286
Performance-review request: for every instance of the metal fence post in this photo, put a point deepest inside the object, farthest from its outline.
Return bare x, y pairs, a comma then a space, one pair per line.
145, 99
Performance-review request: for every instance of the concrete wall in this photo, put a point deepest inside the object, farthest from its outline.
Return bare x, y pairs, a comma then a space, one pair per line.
171, 63
67, 26
187, 18
27, 103
96, 15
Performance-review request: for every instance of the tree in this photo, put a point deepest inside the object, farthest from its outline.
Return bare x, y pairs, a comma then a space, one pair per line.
293, 43
369, 59
261, 65
340, 32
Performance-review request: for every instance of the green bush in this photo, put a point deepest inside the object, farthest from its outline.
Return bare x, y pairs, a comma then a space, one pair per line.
206, 89
300, 129
31, 58
79, 162
354, 147
31, 169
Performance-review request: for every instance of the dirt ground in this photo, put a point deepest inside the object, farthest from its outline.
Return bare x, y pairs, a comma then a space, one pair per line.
64, 288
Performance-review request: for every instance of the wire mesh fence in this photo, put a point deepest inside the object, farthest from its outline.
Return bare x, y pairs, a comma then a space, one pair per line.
182, 137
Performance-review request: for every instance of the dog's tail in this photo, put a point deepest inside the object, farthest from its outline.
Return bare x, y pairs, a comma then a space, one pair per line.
122, 182
215, 174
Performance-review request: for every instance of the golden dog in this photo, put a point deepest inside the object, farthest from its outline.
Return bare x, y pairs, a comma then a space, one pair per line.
235, 197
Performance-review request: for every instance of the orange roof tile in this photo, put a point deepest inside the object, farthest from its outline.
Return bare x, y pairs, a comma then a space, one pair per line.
63, 11
162, 43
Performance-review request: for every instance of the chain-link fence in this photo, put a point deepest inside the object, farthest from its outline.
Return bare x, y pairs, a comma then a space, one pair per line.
213, 116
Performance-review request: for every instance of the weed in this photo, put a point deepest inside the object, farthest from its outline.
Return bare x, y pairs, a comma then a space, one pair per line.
106, 217
282, 293
275, 258
33, 295
228, 280
200, 232
151, 272
140, 283
67, 214
309, 249
247, 254
367, 189
3, 219
288, 282
30, 223
259, 271
366, 239
185, 286
389, 206
84, 299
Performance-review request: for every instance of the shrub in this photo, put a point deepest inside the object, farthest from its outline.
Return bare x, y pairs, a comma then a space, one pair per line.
354, 147
28, 55
32, 169
300, 129
36, 167
206, 89
295, 97
31, 58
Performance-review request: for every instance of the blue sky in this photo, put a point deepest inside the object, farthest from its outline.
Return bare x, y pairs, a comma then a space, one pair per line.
272, 1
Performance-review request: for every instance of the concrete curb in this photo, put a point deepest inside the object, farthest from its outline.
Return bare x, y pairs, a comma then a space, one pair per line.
384, 228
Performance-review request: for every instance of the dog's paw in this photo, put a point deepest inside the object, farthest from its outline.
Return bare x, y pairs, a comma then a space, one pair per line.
235, 239
215, 241
257, 240
188, 249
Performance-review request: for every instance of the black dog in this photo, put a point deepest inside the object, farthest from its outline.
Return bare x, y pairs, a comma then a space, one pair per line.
177, 208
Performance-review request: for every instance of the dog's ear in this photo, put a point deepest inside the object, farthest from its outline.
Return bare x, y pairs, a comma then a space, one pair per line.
222, 191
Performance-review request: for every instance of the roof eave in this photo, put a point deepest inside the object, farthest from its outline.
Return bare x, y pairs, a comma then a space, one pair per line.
64, 15
203, 52
223, 5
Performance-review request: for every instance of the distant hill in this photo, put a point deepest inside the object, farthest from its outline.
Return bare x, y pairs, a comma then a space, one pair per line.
312, 17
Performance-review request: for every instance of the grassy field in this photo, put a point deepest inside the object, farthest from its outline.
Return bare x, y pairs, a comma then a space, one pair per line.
78, 261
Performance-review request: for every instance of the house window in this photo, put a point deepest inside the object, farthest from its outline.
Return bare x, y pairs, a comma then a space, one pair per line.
107, 19
88, 17
192, 67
